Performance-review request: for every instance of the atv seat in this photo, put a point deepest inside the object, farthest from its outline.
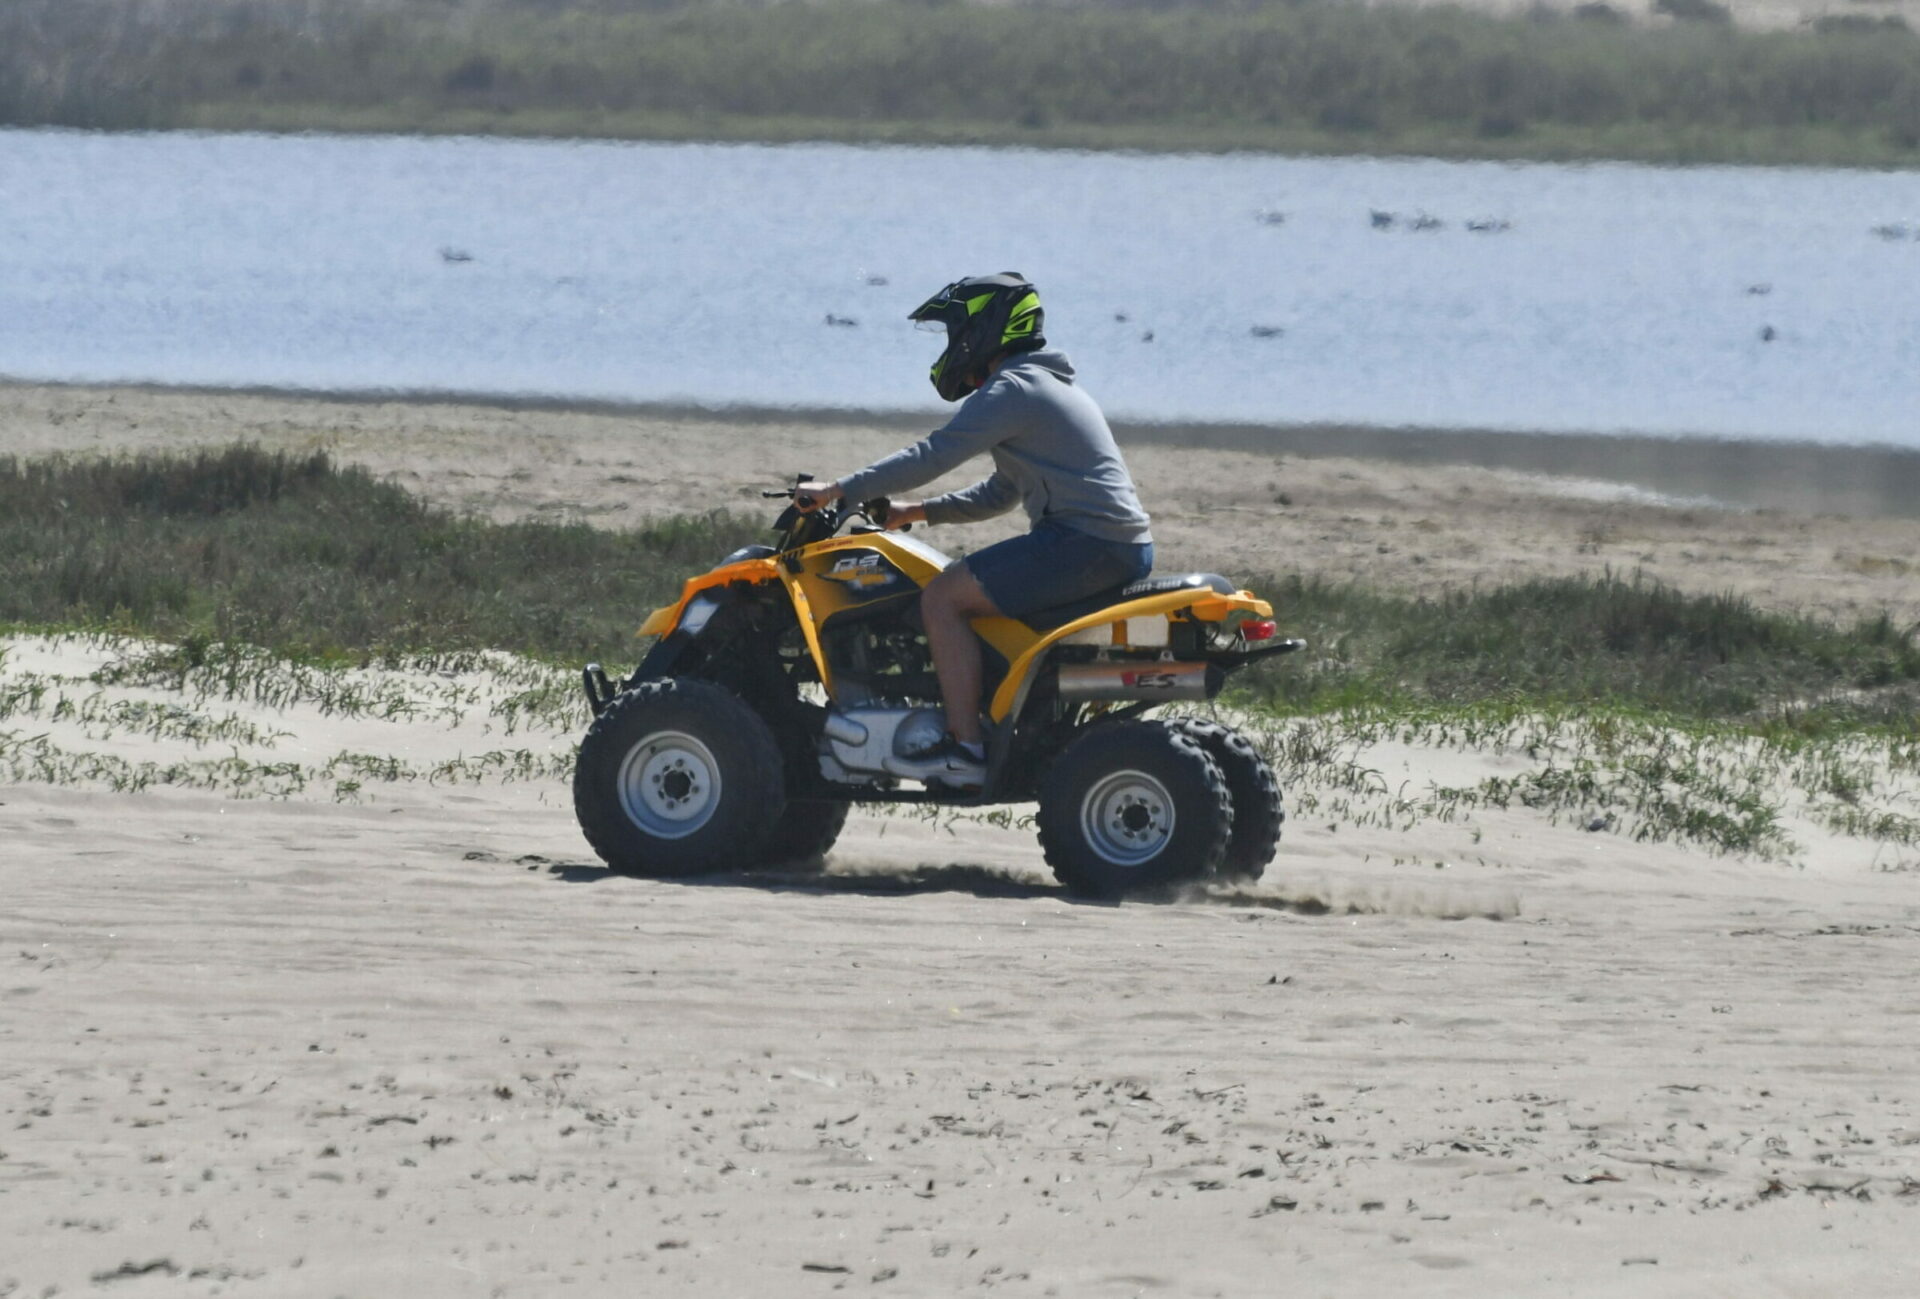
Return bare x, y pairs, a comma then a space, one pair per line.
1062, 614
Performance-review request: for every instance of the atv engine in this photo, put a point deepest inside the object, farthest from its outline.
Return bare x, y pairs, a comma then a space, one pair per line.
867, 744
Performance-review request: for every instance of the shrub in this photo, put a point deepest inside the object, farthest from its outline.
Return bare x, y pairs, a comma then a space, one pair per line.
1288, 71
297, 554
1694, 11
1609, 639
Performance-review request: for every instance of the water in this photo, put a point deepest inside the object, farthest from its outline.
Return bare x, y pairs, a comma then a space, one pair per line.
1236, 288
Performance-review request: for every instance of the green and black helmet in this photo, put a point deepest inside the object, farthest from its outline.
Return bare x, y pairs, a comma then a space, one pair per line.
983, 317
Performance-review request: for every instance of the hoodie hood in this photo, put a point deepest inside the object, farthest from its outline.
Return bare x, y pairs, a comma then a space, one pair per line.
1051, 360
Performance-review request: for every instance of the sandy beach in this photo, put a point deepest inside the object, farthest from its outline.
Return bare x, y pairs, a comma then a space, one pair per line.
322, 993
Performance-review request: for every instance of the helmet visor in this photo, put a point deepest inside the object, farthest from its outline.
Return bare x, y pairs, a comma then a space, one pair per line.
934, 310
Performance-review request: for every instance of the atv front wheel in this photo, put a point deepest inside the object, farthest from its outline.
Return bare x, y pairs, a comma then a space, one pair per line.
1133, 807
1257, 810
678, 776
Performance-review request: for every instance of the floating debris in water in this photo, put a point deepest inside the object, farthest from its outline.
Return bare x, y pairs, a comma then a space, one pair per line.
1419, 221
1266, 331
1270, 217
1147, 337
1121, 317
841, 322
455, 255
1490, 225
878, 281
1895, 230
1768, 333
1759, 290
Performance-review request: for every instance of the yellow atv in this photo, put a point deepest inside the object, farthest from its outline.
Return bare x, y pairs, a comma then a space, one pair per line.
793, 680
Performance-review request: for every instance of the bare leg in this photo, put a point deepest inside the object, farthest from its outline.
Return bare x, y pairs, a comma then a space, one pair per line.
947, 604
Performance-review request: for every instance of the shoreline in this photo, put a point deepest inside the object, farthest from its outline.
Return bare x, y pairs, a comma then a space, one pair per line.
1807, 148
1765, 152
1868, 480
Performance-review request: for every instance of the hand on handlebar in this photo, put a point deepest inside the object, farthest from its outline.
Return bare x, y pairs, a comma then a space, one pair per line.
902, 515
810, 496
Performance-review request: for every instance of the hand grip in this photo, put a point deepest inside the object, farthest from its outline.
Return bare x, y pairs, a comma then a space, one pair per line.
878, 509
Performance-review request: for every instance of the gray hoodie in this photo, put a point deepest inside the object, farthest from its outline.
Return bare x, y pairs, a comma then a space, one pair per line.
1052, 452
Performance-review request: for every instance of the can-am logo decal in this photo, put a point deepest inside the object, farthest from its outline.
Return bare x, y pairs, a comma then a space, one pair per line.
862, 571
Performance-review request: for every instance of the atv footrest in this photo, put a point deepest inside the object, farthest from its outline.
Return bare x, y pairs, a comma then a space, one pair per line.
1240, 658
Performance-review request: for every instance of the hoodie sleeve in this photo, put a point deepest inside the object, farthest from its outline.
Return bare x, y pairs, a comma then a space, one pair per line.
983, 500
972, 431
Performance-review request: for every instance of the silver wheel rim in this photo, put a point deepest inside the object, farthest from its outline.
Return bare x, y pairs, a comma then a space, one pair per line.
1127, 818
669, 784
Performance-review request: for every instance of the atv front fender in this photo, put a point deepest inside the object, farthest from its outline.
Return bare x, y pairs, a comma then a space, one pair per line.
663, 659
668, 617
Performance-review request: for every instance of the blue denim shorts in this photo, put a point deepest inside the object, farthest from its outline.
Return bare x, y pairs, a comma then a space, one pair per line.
1054, 565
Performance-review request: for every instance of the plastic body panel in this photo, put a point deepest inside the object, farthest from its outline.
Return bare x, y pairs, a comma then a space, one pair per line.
844, 573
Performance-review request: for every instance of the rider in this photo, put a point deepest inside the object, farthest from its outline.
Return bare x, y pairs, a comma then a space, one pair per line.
1052, 452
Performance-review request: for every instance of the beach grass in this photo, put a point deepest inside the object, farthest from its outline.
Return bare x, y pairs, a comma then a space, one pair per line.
1618, 640
298, 555
242, 578
301, 556
1298, 76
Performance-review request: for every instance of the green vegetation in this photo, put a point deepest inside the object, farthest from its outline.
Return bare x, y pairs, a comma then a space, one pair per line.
495, 695
303, 557
277, 581
1625, 642
296, 554
1634, 708
1286, 75
1653, 777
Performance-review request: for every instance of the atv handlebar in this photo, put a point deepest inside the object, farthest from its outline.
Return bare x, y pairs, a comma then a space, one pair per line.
875, 511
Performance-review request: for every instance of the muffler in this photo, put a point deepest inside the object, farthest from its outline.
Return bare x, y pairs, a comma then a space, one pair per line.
1140, 681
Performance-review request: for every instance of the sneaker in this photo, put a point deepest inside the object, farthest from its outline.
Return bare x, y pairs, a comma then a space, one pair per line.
962, 767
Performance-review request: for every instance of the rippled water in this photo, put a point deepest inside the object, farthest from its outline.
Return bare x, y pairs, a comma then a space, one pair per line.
1713, 301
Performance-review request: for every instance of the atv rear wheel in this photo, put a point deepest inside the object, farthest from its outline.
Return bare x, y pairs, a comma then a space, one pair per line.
1133, 807
806, 833
678, 776
1257, 810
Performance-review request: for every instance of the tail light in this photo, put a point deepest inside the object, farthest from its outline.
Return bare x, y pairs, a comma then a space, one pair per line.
1258, 629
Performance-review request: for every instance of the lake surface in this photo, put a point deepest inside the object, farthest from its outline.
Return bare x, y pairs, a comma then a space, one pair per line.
1715, 301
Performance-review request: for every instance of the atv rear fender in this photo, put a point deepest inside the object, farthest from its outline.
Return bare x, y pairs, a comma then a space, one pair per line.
1203, 606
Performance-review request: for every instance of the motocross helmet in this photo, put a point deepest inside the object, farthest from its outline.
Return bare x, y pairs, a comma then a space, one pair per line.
983, 317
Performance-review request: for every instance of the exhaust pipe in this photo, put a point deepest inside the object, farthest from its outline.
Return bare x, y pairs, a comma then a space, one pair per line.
1141, 681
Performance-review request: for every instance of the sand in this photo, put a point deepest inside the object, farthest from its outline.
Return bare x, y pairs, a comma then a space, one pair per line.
397, 1032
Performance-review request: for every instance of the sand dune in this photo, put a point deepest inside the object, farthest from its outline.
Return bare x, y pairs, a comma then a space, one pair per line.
380, 1024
